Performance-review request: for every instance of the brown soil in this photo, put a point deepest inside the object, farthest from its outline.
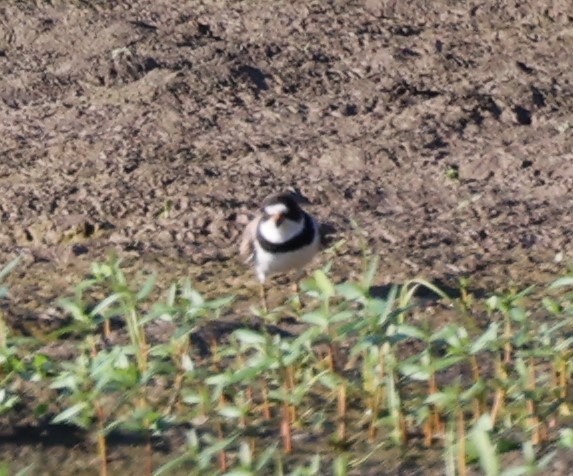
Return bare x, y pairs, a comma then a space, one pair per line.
442, 128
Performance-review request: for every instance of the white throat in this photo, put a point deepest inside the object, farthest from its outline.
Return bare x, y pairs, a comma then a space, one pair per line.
280, 234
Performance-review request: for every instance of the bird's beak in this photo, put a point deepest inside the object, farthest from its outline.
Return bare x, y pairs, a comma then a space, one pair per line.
279, 218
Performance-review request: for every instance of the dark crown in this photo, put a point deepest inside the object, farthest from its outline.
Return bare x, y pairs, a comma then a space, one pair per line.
287, 199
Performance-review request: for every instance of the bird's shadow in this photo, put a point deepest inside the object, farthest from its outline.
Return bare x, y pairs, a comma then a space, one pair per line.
217, 331
47, 434
427, 295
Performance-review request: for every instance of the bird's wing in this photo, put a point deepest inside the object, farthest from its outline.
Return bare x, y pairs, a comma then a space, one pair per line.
327, 232
246, 247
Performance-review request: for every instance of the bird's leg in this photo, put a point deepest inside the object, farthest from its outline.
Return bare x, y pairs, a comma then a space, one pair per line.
263, 292
296, 290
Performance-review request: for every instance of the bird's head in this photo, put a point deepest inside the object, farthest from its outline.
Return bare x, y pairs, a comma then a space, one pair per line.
282, 217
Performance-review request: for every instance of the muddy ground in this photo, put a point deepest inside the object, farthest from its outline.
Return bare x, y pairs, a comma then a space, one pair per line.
443, 129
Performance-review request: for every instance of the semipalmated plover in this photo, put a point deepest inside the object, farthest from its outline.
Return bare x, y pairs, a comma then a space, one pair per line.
282, 237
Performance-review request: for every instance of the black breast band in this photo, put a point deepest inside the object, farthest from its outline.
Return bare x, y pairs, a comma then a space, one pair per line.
304, 238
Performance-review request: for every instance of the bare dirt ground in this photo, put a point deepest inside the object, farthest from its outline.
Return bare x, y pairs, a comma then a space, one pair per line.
442, 128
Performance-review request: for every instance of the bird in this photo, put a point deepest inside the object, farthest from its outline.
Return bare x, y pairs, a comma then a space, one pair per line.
282, 237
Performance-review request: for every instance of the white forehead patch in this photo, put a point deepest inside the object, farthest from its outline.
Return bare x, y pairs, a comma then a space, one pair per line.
276, 209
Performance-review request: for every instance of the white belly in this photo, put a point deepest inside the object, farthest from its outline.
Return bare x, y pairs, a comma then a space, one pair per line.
273, 263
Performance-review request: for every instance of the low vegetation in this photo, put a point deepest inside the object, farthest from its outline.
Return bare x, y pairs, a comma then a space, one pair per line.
472, 377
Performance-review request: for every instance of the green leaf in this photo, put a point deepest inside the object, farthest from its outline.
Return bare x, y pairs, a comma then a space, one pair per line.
41, 410
350, 291
324, 284
101, 270
245, 454
67, 380
171, 465
516, 471
265, 457
77, 312
442, 399
145, 291
171, 295
239, 472
518, 314
230, 412
103, 305
219, 303
487, 452
544, 461
121, 361
414, 371
183, 331
249, 337
329, 380
383, 307
28, 470
206, 455
340, 465
492, 303
452, 334
566, 438
553, 306
371, 271
377, 307
341, 316
561, 282
7, 401
192, 398
316, 318
187, 292
187, 363
488, 337
247, 374
6, 270
218, 379
411, 331
69, 414
314, 467
446, 362
474, 391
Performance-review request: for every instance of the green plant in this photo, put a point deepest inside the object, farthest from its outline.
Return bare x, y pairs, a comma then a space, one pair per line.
384, 368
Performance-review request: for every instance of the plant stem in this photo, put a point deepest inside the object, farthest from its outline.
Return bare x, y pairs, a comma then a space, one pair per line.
478, 400
342, 412
223, 463
291, 387
3, 331
286, 429
500, 394
106, 329
461, 435
330, 358
374, 405
428, 437
177, 386
433, 425
266, 406
101, 440
534, 422
507, 337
